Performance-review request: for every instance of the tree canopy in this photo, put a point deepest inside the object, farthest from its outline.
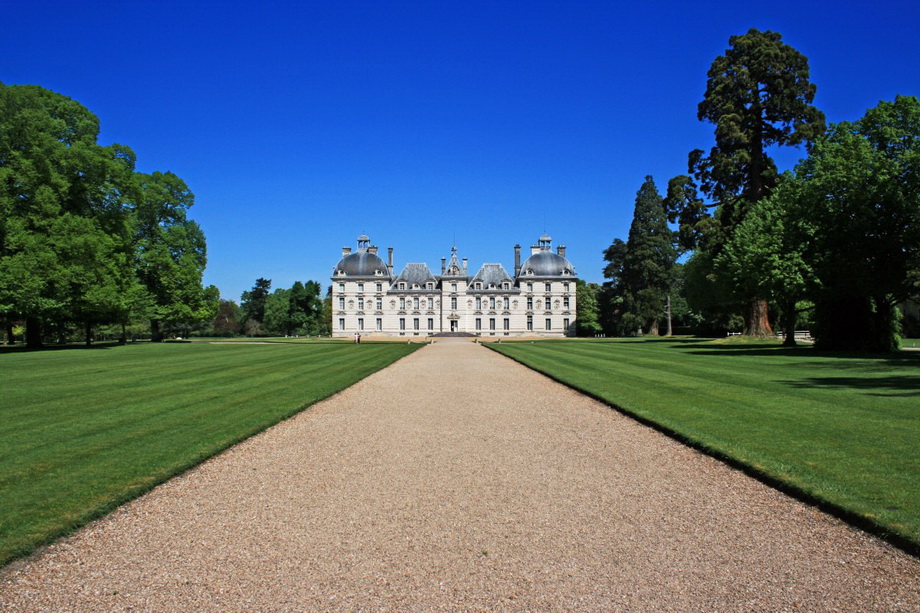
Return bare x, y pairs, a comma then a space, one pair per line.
78, 231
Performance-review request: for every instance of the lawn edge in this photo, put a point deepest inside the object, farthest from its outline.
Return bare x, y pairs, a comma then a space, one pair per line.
850, 517
131, 494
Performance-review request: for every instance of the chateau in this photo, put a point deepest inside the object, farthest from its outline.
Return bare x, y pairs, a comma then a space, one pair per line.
538, 300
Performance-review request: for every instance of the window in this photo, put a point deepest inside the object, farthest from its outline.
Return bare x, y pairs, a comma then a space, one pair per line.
491, 323
505, 285
360, 304
478, 302
565, 286
341, 323
402, 286
478, 285
379, 304
453, 287
402, 303
548, 305
565, 302
402, 323
415, 303
507, 302
549, 323
492, 302
360, 287
341, 303
430, 323
507, 324
529, 287
415, 323
361, 324
479, 323
429, 285
380, 287
530, 323
341, 287
379, 325
565, 323
530, 304
453, 302
549, 287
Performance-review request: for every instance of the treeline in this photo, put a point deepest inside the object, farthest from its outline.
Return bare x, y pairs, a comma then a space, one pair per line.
85, 239
298, 311
834, 245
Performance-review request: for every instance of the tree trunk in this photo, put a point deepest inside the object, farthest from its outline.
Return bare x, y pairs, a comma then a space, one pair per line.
88, 333
756, 322
155, 335
124, 335
790, 317
670, 330
33, 332
9, 334
653, 327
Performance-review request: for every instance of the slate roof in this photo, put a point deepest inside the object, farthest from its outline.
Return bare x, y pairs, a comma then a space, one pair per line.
492, 274
415, 273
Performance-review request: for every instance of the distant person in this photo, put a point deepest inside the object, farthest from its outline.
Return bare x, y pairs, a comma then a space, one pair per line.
357, 338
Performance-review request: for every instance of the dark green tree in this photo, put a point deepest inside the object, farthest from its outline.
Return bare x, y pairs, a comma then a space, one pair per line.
587, 316
758, 96
641, 270
253, 301
171, 255
65, 242
860, 199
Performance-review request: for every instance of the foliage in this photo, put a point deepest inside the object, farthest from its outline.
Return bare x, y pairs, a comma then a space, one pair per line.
587, 314
641, 269
253, 302
765, 255
758, 95
84, 239
227, 322
841, 429
860, 198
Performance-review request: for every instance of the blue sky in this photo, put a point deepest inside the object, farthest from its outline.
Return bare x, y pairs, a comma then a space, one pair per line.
300, 125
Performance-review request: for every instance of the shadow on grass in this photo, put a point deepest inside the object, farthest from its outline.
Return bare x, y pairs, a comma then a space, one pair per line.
801, 351
68, 347
893, 386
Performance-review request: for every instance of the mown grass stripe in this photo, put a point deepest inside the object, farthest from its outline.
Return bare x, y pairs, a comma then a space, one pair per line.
82, 431
838, 430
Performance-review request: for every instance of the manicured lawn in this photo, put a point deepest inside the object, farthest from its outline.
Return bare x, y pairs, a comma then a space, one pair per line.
84, 430
840, 429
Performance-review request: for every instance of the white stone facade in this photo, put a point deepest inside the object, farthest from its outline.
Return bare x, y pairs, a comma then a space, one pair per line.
537, 300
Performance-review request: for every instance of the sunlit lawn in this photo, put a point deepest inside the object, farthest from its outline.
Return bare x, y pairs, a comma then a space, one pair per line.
83, 430
844, 429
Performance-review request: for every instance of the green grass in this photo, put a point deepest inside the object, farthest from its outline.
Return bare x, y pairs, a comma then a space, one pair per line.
84, 430
839, 430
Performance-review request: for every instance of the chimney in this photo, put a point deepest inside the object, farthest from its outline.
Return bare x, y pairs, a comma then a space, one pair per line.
534, 249
346, 251
464, 265
372, 249
517, 260
443, 265
390, 260
561, 250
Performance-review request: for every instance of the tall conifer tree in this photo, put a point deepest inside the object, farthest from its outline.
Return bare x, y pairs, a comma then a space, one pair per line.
642, 268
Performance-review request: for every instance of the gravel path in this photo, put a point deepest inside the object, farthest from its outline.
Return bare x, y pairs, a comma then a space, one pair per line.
458, 479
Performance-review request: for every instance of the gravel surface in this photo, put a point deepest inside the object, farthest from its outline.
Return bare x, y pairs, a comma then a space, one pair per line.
458, 479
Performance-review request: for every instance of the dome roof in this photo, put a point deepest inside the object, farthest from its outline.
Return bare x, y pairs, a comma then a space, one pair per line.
362, 263
547, 264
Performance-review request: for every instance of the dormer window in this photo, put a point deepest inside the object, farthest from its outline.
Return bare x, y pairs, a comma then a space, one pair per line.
479, 286
402, 286
505, 285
